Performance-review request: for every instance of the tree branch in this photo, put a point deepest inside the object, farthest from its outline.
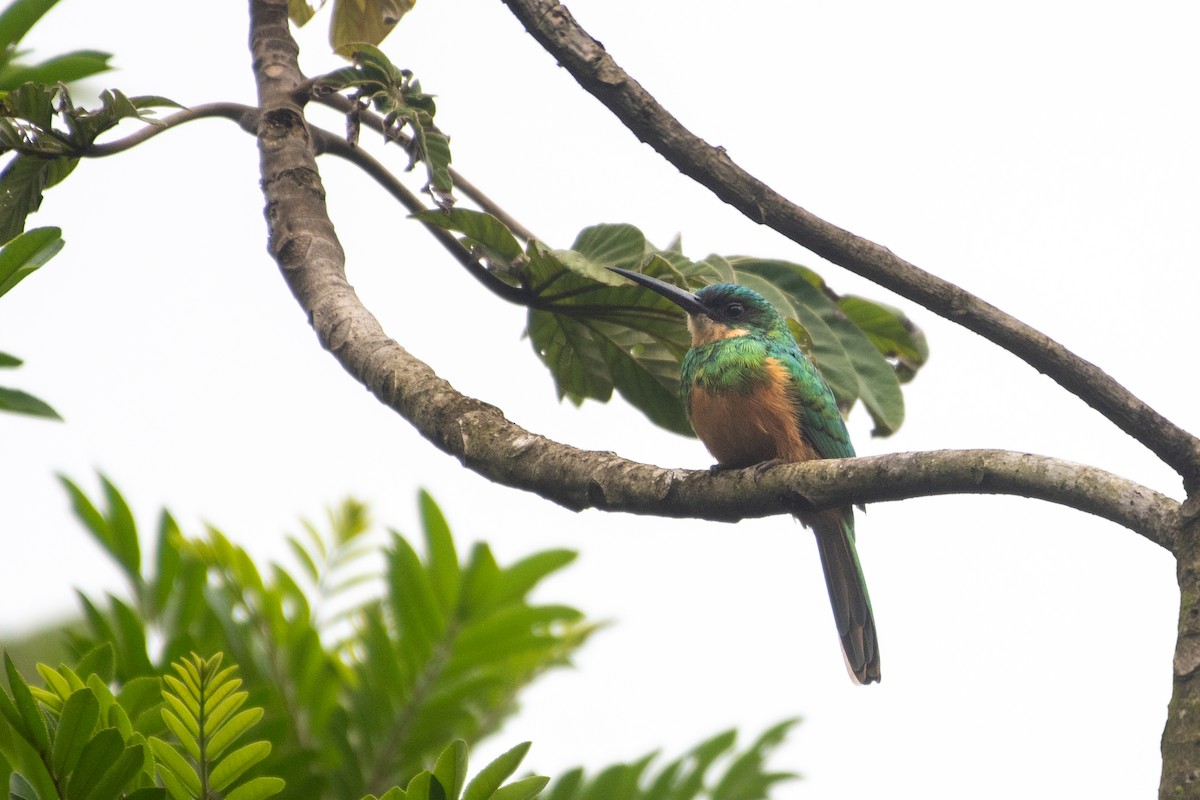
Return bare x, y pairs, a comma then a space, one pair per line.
552, 25
245, 116
304, 243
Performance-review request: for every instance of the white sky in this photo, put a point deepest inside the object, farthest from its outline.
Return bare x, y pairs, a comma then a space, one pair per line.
1043, 157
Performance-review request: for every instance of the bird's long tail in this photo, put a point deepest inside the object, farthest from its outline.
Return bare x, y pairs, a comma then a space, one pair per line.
847, 592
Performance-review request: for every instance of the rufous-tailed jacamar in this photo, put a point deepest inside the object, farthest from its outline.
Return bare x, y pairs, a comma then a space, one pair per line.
754, 398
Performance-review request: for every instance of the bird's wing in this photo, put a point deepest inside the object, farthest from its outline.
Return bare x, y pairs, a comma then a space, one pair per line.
820, 421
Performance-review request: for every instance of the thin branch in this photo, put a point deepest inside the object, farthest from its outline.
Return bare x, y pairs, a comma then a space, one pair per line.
335, 145
304, 243
245, 116
552, 25
345, 105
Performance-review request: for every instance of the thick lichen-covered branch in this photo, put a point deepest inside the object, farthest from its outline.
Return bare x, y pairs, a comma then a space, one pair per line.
552, 25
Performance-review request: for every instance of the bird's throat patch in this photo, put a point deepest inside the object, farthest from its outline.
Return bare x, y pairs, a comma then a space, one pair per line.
705, 329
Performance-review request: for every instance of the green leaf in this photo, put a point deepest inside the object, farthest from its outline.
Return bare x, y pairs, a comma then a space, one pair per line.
17, 402
8, 360
517, 580
79, 716
147, 793
443, 559
22, 182
484, 785
99, 754
451, 768
236, 763
25, 253
301, 11
610, 245
98, 661
115, 777
481, 229
122, 532
19, 17
412, 598
523, 789
32, 725
359, 21
172, 763
185, 736
66, 68
257, 789
20, 789
229, 732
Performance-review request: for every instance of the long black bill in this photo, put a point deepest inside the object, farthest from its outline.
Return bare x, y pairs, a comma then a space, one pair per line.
685, 300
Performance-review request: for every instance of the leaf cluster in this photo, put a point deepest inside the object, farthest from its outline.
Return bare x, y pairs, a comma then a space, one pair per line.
75, 739
596, 333
49, 134
397, 95
18, 259
689, 777
353, 701
15, 22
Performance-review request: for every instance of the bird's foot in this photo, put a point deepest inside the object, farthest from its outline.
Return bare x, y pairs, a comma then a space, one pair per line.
763, 466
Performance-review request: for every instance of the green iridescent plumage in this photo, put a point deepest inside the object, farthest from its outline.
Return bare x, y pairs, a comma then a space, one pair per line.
754, 398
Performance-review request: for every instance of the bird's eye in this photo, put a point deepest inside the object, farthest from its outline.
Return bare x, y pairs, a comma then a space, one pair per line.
735, 310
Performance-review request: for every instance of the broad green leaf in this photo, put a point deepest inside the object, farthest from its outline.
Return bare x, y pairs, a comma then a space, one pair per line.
480, 228
17, 402
25, 253
892, 333
359, 21
9, 360
236, 763
618, 245
257, 789
80, 713
489, 779
451, 768
301, 11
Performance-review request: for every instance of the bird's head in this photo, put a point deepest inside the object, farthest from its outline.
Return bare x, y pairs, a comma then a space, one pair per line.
719, 311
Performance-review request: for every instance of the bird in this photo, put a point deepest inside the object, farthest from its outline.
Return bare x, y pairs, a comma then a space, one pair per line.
755, 400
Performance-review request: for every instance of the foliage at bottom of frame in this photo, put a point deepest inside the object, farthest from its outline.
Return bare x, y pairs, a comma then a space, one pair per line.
362, 670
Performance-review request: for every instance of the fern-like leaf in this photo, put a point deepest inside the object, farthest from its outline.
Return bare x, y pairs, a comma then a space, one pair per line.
203, 701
